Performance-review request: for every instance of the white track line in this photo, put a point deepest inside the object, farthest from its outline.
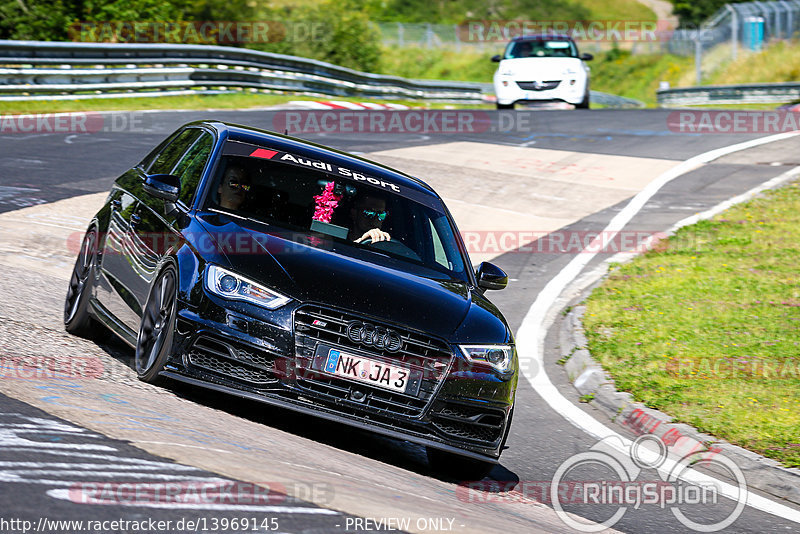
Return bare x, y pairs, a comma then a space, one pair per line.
530, 338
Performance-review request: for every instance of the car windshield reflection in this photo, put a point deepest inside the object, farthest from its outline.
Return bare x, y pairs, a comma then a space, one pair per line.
354, 215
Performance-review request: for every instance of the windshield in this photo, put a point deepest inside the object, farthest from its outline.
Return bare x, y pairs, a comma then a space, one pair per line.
294, 195
544, 48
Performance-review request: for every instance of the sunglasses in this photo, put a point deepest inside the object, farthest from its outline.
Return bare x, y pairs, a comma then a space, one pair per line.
372, 214
237, 185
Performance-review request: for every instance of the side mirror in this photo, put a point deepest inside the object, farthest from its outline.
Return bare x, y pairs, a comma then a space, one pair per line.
497, 58
491, 276
165, 186
587, 57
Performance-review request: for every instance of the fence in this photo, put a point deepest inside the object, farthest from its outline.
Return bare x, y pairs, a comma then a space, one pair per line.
733, 27
456, 37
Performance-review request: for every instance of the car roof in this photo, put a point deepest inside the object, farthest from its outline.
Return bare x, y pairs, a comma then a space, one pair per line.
307, 149
542, 37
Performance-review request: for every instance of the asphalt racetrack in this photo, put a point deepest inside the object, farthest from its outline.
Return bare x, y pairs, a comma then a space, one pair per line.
562, 173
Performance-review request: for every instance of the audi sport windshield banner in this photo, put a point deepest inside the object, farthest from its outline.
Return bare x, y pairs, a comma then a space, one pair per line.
237, 148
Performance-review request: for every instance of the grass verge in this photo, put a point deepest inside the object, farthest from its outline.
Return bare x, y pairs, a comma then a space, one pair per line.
198, 102
779, 62
706, 327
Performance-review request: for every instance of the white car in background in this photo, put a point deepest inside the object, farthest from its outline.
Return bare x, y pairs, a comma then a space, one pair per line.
541, 68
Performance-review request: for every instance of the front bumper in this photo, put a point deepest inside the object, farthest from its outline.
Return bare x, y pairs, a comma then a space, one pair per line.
509, 91
458, 408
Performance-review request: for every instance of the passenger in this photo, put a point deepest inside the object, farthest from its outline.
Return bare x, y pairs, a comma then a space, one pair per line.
368, 215
234, 188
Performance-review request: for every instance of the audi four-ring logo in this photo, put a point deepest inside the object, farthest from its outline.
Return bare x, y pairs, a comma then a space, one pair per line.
374, 336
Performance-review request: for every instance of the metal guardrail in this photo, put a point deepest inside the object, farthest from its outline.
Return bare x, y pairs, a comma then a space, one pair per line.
37, 70
66, 67
764, 93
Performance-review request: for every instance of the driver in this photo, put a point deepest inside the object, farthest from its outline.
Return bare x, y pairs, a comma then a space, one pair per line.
233, 188
368, 215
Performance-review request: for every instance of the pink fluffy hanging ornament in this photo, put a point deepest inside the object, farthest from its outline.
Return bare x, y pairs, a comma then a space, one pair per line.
326, 203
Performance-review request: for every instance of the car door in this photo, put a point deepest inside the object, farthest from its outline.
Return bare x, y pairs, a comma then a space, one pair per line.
157, 223
128, 260
112, 293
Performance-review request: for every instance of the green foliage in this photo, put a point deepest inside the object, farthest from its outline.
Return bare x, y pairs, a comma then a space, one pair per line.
45, 20
636, 76
135, 10
692, 13
39, 20
778, 62
334, 31
437, 63
458, 11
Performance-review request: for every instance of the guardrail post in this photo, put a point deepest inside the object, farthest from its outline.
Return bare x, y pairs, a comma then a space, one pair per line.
734, 31
787, 34
698, 58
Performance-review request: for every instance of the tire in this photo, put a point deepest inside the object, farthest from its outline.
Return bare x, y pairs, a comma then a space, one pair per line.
584, 104
157, 328
505, 106
455, 467
77, 319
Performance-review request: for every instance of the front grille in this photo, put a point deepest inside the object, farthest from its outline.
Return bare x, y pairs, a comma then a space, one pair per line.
469, 422
249, 365
420, 353
539, 86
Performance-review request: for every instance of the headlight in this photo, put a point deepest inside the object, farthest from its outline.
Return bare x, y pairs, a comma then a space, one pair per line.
507, 72
232, 286
498, 356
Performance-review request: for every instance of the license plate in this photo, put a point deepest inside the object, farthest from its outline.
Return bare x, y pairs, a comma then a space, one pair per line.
357, 367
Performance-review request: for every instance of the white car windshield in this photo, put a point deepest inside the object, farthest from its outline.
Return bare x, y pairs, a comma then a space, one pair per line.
541, 48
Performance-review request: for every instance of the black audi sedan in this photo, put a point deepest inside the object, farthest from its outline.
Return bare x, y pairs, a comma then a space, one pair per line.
271, 268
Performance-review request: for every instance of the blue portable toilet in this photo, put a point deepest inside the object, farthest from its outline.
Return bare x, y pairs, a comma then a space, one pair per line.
754, 33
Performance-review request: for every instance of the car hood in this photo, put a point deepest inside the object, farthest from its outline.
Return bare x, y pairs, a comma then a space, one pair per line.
313, 274
541, 68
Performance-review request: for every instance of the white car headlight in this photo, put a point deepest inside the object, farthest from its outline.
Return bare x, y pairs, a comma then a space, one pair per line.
232, 286
507, 72
498, 356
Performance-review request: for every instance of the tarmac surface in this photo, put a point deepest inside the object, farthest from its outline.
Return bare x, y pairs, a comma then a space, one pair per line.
569, 174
